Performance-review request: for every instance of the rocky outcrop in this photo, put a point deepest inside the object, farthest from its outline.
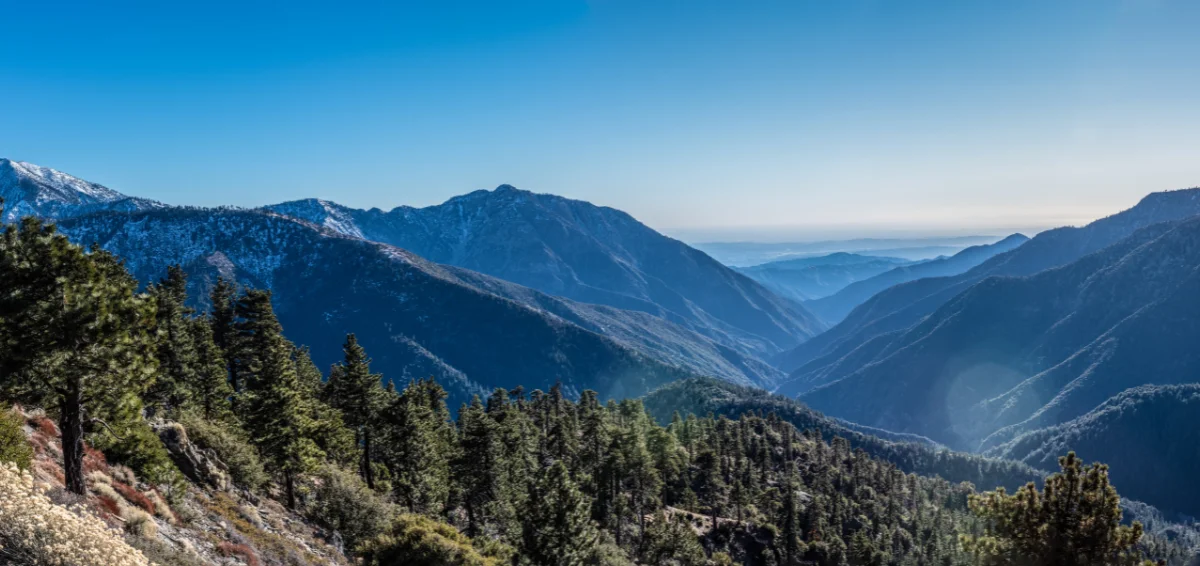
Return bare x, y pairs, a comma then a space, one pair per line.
200, 465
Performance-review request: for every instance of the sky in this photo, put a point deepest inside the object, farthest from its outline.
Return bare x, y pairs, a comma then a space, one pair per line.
736, 120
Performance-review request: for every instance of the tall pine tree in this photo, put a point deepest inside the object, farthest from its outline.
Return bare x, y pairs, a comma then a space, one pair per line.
75, 335
359, 395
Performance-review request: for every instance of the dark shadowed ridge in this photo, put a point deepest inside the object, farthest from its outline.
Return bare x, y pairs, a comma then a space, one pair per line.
834, 308
1015, 354
805, 279
1149, 433
583, 252
901, 306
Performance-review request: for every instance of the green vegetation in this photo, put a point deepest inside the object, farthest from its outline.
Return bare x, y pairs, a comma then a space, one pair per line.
420, 541
14, 447
1074, 521
522, 478
231, 446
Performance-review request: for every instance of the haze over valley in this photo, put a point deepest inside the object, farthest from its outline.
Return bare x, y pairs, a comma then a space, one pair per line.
616, 283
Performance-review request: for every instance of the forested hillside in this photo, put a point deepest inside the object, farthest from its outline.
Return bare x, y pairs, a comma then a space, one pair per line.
394, 298
184, 429
1152, 430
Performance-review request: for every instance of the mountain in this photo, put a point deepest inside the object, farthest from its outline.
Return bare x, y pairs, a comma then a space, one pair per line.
582, 252
252, 247
1141, 429
836, 306
804, 279
410, 314
912, 454
1162, 417
748, 253
1014, 354
873, 323
31, 190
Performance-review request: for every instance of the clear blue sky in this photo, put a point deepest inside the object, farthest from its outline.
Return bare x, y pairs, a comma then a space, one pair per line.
704, 119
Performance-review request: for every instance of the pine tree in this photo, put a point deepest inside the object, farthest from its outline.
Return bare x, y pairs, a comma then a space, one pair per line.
477, 470
178, 362
711, 487
557, 528
75, 335
330, 432
420, 449
359, 396
254, 331
1074, 521
210, 389
221, 319
279, 414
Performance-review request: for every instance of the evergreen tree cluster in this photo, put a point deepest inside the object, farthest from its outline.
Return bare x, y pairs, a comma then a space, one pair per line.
526, 478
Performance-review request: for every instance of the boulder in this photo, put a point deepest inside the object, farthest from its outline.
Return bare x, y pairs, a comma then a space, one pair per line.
200, 465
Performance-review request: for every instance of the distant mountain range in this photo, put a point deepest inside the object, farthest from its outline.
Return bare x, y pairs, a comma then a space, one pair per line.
834, 307
870, 326
750, 253
584, 252
415, 316
805, 279
1095, 354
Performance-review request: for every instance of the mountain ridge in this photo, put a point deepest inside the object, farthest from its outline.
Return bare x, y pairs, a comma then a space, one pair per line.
584, 252
903, 305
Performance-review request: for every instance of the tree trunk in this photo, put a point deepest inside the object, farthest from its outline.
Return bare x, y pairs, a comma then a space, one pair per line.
472, 528
289, 485
368, 473
71, 425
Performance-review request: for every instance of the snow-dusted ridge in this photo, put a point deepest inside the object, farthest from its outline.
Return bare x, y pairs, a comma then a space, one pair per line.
33, 190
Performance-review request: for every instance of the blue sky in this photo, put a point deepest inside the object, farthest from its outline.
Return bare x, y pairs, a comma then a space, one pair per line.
711, 120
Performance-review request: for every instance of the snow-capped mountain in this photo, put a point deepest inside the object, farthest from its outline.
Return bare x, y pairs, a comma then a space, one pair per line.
584, 252
32, 190
473, 331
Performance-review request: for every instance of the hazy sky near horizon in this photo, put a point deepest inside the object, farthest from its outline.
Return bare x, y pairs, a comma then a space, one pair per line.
711, 120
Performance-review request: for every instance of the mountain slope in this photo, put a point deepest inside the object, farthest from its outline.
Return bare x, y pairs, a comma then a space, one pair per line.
55, 196
835, 307
325, 285
582, 252
901, 306
910, 453
1017, 353
805, 279
31, 190
1140, 428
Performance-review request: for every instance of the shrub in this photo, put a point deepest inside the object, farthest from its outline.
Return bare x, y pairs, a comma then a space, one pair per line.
122, 474
44, 425
245, 552
140, 449
420, 541
14, 447
164, 554
231, 447
161, 508
140, 523
135, 497
112, 506
33, 530
97, 476
343, 502
94, 460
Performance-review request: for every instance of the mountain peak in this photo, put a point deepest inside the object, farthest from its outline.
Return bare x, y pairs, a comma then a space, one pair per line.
46, 184
33, 190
